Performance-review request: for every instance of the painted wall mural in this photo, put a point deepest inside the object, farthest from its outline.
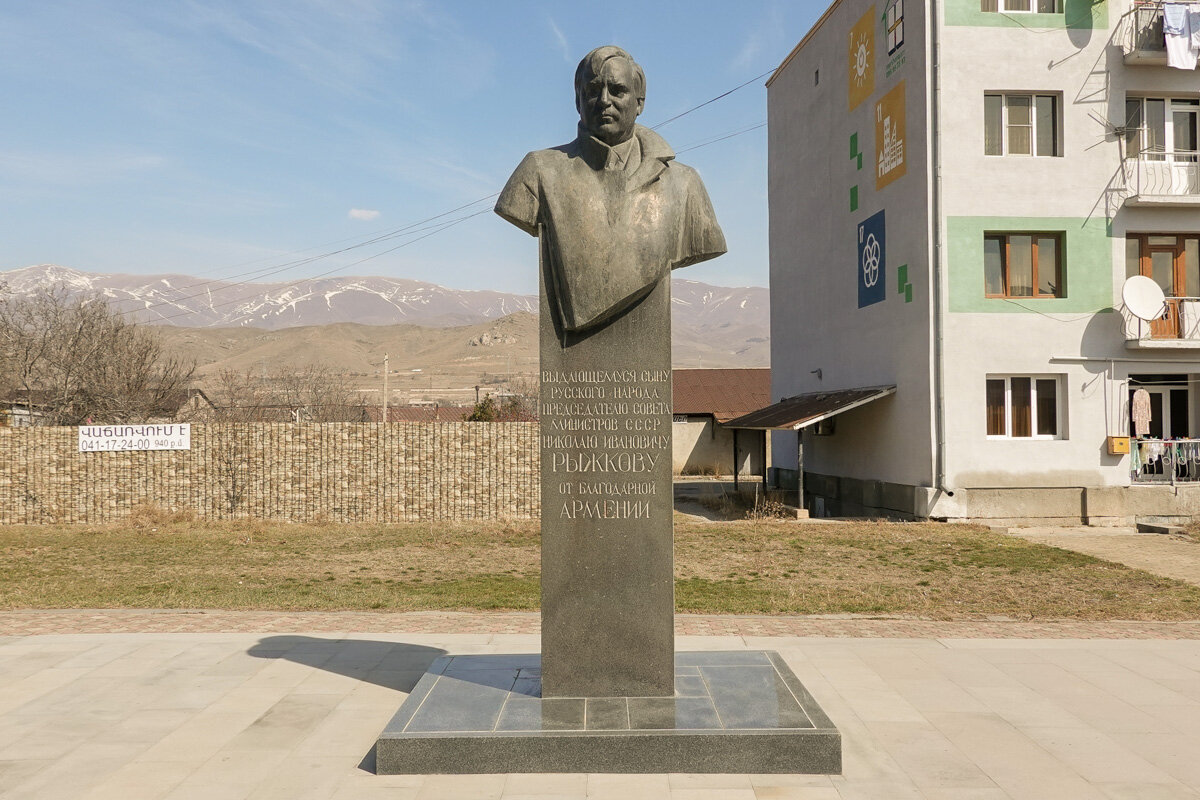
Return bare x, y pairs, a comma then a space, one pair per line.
872, 260
889, 137
861, 58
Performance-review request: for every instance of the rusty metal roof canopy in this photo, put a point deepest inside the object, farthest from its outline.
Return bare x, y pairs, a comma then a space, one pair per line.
794, 413
723, 393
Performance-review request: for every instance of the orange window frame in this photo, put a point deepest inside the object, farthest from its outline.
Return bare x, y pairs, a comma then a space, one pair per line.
1059, 267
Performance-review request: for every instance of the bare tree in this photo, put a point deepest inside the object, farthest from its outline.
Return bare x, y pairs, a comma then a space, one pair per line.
81, 360
315, 393
324, 394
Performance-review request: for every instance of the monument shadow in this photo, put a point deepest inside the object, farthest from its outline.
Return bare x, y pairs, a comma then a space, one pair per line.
392, 665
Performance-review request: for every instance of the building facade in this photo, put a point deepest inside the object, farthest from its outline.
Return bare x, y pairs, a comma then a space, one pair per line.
702, 401
959, 190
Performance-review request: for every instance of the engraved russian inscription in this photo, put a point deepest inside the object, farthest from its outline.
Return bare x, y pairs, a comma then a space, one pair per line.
614, 423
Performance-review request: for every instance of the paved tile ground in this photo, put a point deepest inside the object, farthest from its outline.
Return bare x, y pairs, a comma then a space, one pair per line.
1162, 554
293, 713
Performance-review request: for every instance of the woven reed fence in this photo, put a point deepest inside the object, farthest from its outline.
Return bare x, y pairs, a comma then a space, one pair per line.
308, 472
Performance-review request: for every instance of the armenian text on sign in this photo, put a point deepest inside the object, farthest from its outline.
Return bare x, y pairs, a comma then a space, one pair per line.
106, 438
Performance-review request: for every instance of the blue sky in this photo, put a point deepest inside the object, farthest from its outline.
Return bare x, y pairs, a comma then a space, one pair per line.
223, 138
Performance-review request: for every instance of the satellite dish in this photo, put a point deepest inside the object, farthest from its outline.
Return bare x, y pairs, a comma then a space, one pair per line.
1143, 297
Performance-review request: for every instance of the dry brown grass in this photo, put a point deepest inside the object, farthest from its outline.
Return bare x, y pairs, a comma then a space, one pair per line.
922, 569
254, 564
928, 570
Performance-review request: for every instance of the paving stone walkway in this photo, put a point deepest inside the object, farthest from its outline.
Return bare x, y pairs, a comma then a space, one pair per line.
261, 715
1163, 554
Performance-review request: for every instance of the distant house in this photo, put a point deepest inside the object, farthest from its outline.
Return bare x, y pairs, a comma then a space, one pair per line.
703, 400
23, 409
417, 413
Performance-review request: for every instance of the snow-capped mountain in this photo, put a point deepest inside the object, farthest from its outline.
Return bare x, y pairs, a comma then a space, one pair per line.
196, 302
706, 318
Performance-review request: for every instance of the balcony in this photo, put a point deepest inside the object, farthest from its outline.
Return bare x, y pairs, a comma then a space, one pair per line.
1170, 461
1163, 179
1177, 329
1143, 41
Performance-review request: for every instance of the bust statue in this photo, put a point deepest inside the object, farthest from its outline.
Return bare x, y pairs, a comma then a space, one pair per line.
615, 211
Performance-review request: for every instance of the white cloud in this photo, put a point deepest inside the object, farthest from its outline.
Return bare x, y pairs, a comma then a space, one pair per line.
367, 214
560, 40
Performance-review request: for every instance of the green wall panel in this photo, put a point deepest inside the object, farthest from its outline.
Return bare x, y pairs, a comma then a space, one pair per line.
1079, 14
1087, 254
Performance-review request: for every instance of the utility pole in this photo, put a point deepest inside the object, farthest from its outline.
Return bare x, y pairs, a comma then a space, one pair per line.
385, 388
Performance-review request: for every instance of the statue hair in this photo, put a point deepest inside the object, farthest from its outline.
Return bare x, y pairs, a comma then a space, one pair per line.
593, 61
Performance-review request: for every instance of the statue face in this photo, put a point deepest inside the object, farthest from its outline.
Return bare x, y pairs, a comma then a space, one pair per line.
608, 104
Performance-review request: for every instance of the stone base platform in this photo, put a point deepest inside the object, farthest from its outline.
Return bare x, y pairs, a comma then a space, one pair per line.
733, 712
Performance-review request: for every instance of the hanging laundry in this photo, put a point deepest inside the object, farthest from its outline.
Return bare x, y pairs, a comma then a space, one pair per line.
1194, 25
1152, 451
1135, 460
1177, 34
1139, 412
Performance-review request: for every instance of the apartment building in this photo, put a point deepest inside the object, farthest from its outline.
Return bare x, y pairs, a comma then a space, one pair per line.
959, 190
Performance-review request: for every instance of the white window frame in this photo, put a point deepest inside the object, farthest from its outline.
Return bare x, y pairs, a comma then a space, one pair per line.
1172, 106
1059, 403
1005, 151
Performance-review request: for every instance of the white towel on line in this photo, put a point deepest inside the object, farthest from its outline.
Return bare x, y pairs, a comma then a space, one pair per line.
1177, 35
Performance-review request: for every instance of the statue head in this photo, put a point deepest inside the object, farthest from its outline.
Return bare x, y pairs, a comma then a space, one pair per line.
610, 92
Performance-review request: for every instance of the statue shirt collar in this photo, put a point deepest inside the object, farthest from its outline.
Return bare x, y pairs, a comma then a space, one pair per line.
654, 154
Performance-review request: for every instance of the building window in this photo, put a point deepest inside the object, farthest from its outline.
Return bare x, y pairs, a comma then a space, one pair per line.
894, 20
1022, 6
1023, 407
1172, 260
1162, 128
1023, 265
1020, 125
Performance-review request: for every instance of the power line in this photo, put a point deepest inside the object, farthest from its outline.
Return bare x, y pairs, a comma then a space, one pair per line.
713, 100
277, 268
721, 138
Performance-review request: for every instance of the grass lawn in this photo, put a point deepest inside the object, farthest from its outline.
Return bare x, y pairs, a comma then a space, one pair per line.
929, 570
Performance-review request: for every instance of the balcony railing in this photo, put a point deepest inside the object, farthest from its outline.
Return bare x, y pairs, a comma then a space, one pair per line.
1144, 40
1165, 461
1178, 327
1163, 178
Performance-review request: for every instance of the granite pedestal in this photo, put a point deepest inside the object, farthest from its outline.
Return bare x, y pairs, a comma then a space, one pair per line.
608, 594
732, 712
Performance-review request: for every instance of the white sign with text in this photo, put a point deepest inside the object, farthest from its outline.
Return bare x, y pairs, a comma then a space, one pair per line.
107, 438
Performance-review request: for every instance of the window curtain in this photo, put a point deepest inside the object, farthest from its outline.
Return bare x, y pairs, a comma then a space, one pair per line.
1022, 406
995, 408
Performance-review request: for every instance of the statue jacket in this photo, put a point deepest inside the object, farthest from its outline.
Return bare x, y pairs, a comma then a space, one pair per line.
609, 236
